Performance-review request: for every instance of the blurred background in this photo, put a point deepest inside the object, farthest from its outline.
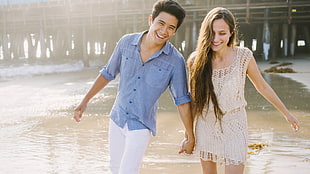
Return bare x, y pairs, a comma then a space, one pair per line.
52, 50
86, 30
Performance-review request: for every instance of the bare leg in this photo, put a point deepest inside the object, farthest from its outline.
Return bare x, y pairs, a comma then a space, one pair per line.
208, 167
234, 169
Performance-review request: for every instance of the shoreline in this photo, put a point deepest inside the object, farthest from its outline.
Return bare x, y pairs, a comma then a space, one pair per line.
39, 133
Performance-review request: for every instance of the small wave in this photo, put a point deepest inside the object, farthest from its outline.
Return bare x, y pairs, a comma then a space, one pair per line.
21, 70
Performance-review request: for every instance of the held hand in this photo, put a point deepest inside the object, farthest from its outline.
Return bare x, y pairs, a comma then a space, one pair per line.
78, 111
293, 121
187, 146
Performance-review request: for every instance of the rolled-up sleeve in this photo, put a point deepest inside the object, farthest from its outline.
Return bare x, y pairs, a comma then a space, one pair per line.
178, 85
112, 68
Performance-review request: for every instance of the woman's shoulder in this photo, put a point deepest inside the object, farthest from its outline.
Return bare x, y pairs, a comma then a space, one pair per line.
244, 51
244, 56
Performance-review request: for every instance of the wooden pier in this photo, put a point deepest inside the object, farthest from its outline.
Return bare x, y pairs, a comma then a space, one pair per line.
81, 29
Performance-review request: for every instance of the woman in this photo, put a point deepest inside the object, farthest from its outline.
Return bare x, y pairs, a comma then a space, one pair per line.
218, 70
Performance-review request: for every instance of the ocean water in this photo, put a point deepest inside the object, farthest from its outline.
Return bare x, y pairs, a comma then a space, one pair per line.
38, 134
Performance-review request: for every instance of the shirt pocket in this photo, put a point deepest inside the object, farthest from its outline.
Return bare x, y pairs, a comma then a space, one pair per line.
158, 75
128, 66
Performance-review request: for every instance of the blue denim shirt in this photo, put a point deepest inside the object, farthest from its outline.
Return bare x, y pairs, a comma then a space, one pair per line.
141, 84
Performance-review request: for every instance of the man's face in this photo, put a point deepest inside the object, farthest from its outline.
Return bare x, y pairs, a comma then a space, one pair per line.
163, 27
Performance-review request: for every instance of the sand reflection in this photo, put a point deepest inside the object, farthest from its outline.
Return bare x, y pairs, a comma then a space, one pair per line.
38, 135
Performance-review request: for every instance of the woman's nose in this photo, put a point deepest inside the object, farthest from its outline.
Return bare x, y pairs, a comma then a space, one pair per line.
215, 37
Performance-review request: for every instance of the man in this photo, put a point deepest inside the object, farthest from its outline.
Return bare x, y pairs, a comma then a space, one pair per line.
147, 64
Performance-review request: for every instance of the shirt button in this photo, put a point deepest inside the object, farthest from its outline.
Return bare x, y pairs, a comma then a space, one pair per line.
130, 101
127, 113
139, 77
134, 89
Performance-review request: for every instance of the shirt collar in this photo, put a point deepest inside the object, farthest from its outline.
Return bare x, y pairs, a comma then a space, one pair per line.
166, 49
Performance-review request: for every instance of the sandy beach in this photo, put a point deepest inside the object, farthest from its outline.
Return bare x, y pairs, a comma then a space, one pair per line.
39, 136
300, 64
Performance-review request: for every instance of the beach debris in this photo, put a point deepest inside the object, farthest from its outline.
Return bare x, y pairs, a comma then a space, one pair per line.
306, 160
255, 148
273, 62
280, 68
285, 64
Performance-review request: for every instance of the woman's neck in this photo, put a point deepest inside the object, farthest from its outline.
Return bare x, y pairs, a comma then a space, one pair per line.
222, 54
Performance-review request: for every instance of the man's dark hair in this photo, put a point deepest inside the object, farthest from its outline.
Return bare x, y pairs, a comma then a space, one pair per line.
171, 7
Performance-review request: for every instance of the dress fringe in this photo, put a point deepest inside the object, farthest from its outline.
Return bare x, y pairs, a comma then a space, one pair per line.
209, 156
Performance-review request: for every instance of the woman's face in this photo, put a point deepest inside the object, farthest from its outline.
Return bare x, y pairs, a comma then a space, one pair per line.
221, 35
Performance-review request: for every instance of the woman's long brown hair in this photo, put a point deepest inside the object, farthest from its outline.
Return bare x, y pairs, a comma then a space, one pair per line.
200, 63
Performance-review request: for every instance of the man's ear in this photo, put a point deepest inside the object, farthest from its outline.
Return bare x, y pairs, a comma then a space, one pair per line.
150, 20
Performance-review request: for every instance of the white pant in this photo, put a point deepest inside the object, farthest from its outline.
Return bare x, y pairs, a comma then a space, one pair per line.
127, 148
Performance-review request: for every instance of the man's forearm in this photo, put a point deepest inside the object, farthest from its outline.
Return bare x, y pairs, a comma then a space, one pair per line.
99, 83
187, 119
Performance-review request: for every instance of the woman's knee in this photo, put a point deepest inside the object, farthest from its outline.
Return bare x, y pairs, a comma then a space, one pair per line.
208, 167
234, 169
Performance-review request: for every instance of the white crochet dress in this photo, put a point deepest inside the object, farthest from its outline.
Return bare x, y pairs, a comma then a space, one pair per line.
229, 145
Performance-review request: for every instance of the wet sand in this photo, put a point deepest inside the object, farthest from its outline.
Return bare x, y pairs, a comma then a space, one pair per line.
39, 136
300, 64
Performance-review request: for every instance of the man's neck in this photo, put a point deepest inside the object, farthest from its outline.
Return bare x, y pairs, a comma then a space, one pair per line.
148, 47
147, 43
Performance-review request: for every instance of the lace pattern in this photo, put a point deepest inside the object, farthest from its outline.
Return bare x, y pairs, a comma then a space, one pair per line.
208, 156
227, 146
